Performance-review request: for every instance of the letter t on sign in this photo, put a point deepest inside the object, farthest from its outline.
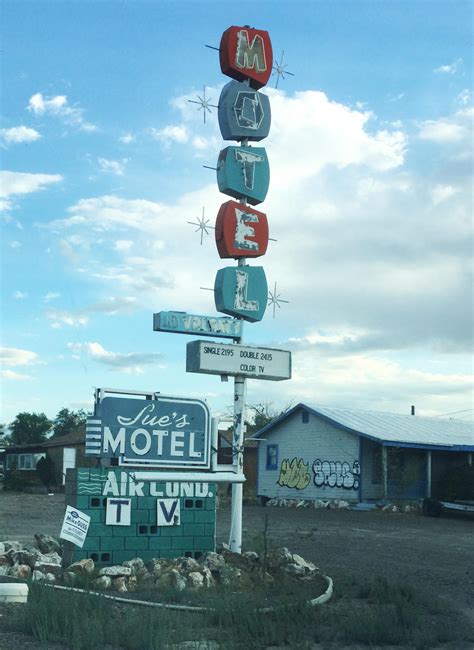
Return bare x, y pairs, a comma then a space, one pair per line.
118, 512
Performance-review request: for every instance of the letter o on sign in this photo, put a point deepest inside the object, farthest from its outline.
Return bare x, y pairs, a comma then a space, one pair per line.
141, 449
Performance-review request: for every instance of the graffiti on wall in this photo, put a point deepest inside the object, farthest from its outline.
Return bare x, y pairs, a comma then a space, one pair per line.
336, 474
294, 474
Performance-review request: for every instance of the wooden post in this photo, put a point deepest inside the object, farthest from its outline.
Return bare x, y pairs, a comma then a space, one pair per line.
428, 473
384, 471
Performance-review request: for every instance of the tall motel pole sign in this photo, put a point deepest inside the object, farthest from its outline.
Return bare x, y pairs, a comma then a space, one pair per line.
241, 232
153, 490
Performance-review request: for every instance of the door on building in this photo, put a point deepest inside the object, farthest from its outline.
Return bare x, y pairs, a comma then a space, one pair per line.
69, 460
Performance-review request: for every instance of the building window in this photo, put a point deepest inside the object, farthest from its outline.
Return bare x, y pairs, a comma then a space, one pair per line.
272, 456
23, 461
305, 417
377, 465
12, 461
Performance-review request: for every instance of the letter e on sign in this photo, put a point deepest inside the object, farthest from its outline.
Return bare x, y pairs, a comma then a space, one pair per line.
246, 53
241, 231
168, 512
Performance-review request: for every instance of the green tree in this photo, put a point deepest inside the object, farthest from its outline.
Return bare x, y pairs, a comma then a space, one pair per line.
67, 421
259, 415
28, 428
5, 438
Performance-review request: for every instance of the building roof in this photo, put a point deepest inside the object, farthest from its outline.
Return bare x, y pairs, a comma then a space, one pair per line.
75, 438
392, 429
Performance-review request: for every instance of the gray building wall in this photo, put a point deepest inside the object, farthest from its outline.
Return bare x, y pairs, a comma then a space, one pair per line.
315, 460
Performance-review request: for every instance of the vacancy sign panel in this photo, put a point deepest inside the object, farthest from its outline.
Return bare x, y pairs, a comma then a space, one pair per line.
226, 359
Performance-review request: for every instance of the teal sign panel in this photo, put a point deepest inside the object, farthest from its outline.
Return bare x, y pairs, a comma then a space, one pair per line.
244, 172
241, 291
164, 432
243, 113
180, 322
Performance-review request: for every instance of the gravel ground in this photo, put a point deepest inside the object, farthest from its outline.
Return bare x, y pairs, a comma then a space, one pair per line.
435, 555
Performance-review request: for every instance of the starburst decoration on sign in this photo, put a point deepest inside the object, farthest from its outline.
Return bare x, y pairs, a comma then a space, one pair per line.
204, 103
202, 225
280, 71
275, 300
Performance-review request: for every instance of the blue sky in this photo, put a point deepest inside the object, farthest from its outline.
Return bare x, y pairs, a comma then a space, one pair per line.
370, 200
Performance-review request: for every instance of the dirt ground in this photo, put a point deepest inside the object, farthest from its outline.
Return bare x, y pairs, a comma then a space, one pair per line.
436, 555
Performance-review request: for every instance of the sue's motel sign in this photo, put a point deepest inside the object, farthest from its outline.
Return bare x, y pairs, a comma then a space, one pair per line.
166, 432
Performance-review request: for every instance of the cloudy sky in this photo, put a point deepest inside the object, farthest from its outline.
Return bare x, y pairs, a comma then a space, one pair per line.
370, 200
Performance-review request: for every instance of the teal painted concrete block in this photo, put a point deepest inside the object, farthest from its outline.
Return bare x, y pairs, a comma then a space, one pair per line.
113, 544
211, 504
187, 516
210, 530
171, 531
204, 543
183, 542
140, 516
244, 172
241, 291
160, 543
82, 502
91, 543
136, 543
193, 529
204, 516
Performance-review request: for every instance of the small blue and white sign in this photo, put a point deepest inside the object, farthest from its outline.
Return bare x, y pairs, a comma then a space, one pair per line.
244, 173
241, 291
75, 526
168, 512
161, 432
243, 113
180, 322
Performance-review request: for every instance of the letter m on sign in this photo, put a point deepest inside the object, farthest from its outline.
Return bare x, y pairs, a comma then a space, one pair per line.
246, 54
168, 512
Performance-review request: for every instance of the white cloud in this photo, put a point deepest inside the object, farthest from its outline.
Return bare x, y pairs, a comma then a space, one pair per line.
110, 307
441, 193
19, 134
15, 376
465, 97
116, 167
59, 106
14, 183
457, 128
61, 317
51, 295
450, 68
127, 138
171, 133
132, 362
18, 357
20, 295
123, 244
15, 244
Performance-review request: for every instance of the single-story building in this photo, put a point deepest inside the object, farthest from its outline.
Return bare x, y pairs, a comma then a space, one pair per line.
314, 452
65, 451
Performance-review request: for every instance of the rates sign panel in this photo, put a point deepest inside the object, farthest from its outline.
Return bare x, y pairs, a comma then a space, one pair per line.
226, 359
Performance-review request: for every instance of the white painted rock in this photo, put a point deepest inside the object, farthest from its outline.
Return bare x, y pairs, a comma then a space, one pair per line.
195, 580
115, 571
20, 571
82, 567
120, 584
13, 592
104, 582
135, 564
